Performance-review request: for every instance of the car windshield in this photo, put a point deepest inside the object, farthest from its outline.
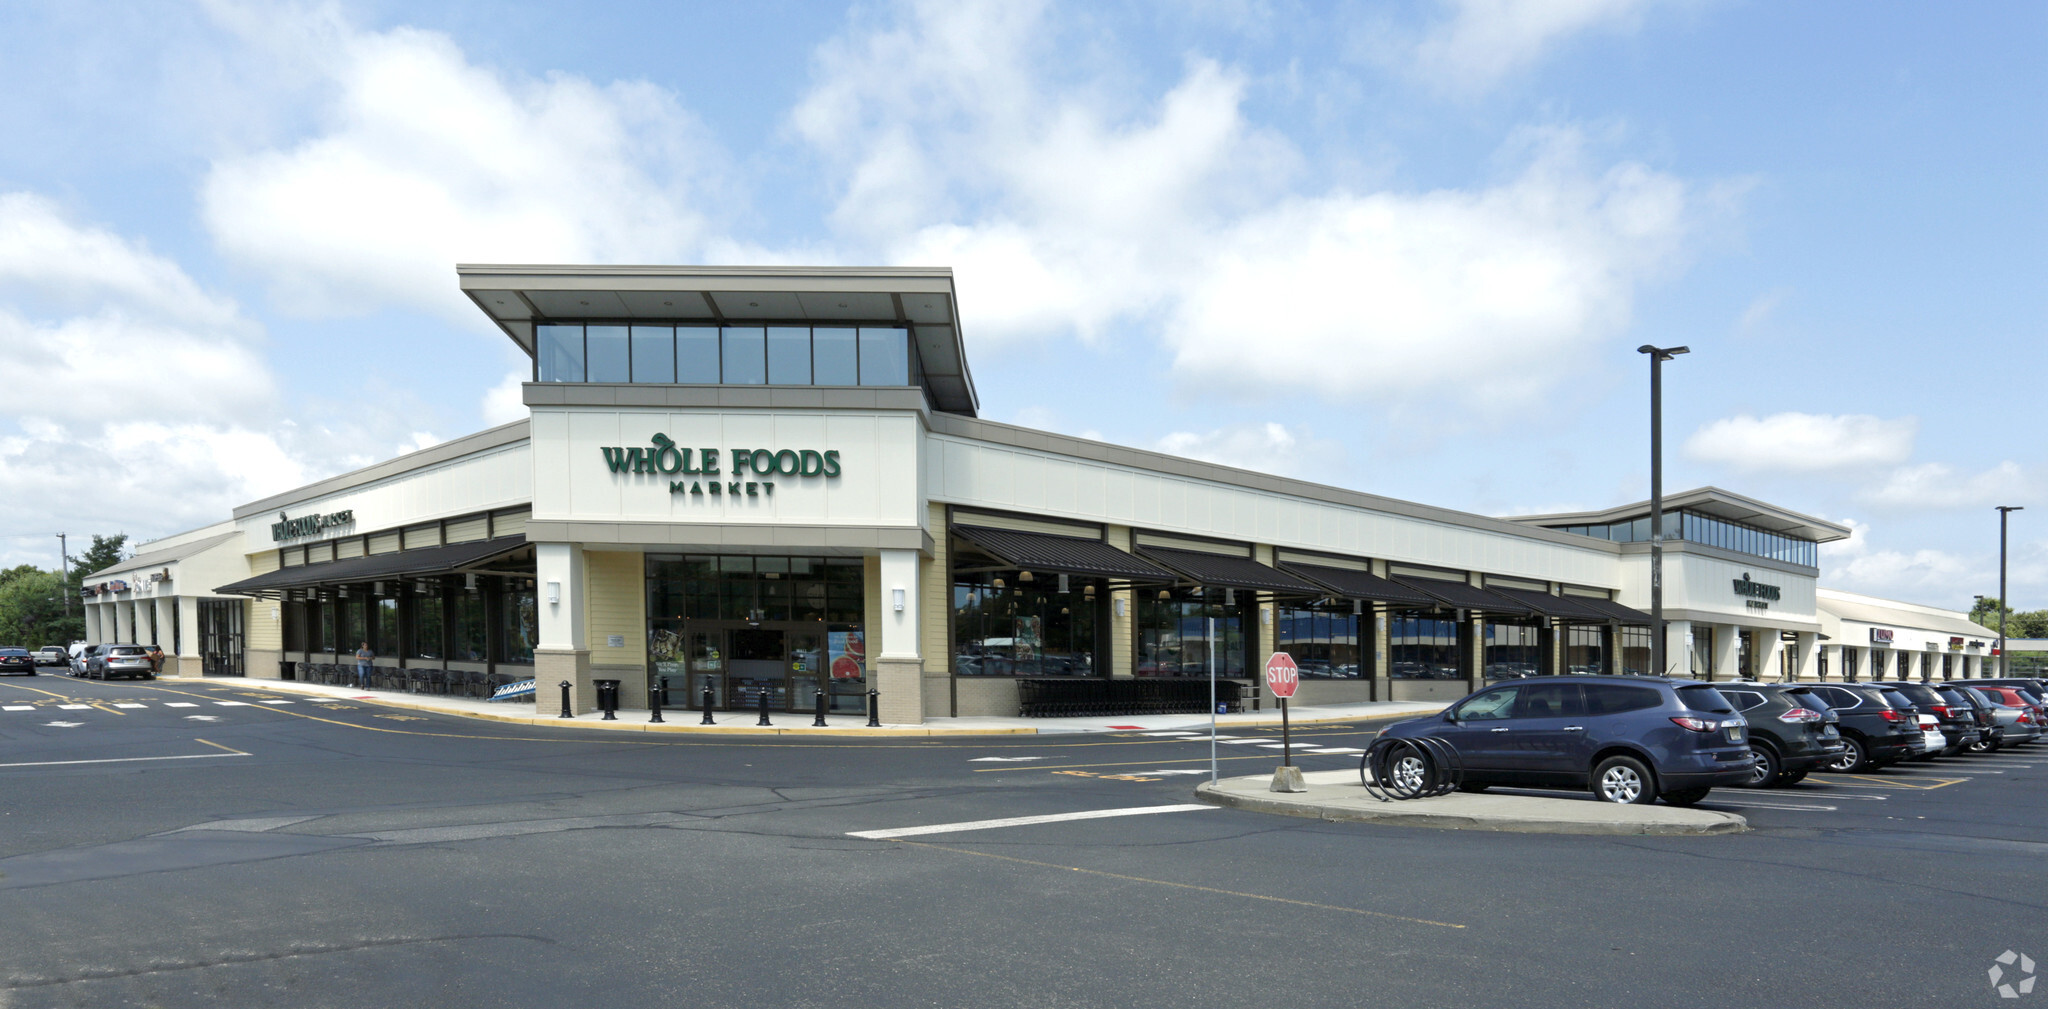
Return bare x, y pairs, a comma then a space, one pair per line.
1807, 699
13, 651
1896, 699
1703, 698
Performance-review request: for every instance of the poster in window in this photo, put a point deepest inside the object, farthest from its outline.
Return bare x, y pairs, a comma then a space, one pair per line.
849, 651
1028, 636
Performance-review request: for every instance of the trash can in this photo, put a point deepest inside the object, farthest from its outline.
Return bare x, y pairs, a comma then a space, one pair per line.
287, 670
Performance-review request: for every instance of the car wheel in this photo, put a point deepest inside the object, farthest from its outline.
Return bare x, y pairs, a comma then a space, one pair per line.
1624, 780
1686, 796
1764, 773
1408, 773
1852, 758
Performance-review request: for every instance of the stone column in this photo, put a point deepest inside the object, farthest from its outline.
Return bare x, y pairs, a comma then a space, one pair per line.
1727, 651
897, 669
92, 622
1763, 653
1807, 669
124, 621
189, 661
562, 652
161, 605
1677, 649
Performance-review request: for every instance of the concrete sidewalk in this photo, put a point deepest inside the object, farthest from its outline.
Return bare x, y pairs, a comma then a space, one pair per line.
799, 723
1339, 796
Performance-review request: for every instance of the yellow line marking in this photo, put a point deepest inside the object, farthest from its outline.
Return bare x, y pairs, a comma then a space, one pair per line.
1875, 782
1182, 886
217, 746
45, 693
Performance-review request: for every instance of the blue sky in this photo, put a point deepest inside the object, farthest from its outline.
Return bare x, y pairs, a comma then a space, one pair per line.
1407, 247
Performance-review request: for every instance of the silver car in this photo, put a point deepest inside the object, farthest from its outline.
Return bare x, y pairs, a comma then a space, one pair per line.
120, 660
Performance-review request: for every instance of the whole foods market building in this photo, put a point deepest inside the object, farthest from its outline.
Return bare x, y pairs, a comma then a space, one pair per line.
764, 482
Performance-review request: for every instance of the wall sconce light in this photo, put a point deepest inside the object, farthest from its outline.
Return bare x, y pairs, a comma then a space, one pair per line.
1063, 585
1266, 616
1230, 597
554, 593
1119, 607
896, 596
273, 614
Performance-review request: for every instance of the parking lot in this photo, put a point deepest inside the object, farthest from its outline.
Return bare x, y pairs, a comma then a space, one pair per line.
187, 843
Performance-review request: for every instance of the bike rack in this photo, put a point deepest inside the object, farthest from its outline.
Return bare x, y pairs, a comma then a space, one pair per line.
1442, 771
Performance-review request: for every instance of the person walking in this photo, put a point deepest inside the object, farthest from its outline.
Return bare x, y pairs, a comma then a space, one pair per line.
363, 657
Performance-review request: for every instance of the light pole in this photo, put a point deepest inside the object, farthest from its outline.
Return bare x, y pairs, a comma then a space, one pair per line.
1658, 355
64, 565
2003, 512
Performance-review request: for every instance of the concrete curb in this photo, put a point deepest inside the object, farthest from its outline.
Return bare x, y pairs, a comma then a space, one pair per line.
397, 701
1428, 813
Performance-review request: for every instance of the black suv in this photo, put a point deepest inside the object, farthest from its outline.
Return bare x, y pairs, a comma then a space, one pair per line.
1967, 703
1874, 732
1958, 726
1791, 730
1629, 738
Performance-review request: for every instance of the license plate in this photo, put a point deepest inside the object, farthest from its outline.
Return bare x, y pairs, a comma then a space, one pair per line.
1735, 734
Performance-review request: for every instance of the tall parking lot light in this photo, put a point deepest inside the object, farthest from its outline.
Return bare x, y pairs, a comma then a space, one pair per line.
2003, 512
1658, 355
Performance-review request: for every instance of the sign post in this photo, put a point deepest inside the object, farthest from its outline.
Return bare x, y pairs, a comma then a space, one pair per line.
1282, 676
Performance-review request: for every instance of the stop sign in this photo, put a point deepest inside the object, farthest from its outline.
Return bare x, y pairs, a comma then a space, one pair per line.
1282, 675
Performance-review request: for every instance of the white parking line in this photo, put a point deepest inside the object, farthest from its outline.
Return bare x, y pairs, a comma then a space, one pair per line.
1166, 733
179, 704
277, 702
125, 760
1246, 742
73, 707
232, 704
1336, 751
1025, 821
1773, 805
131, 705
18, 707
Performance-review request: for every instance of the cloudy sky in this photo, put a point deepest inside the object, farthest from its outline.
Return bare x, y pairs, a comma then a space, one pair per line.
1403, 247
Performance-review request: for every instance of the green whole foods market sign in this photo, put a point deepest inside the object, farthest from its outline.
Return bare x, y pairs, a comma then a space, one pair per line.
1757, 595
752, 471
288, 528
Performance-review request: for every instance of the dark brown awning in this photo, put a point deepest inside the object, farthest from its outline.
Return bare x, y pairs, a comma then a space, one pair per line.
1570, 609
1608, 610
405, 563
1460, 596
1348, 584
1062, 554
1231, 572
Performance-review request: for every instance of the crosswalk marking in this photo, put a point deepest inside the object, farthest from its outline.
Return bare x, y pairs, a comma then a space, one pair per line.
179, 704
18, 707
277, 702
1335, 751
232, 704
73, 707
131, 705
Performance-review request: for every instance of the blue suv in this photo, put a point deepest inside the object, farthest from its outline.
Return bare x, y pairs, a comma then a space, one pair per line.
1630, 739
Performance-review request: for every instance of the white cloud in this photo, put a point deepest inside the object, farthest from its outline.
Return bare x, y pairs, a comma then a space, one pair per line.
422, 160
1069, 207
1937, 485
1931, 577
506, 402
1761, 310
1263, 448
1482, 42
1804, 442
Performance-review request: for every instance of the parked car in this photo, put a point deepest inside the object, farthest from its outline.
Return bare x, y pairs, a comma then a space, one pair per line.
1988, 732
120, 660
2026, 695
1874, 731
1791, 730
82, 653
1630, 739
2014, 711
1957, 728
17, 661
52, 655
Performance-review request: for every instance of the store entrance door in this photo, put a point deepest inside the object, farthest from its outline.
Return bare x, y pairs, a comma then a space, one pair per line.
757, 667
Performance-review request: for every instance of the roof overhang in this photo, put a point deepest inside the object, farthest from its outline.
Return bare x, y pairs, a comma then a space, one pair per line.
920, 298
1709, 501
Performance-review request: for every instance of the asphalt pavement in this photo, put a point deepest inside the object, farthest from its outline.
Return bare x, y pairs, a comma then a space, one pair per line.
217, 843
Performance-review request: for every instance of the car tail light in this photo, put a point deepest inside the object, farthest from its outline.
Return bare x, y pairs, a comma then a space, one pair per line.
1797, 715
1940, 710
1696, 724
1891, 715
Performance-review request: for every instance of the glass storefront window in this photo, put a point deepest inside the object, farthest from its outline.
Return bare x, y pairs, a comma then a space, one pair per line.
1004, 626
608, 356
743, 355
835, 356
470, 630
352, 619
521, 621
1423, 648
1181, 632
697, 355
654, 353
1511, 651
884, 356
789, 355
1635, 650
1702, 653
1323, 640
425, 621
1585, 649
560, 353
385, 635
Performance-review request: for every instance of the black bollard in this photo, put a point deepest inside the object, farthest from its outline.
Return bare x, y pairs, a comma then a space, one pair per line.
608, 699
708, 699
565, 700
819, 722
874, 709
764, 708
657, 698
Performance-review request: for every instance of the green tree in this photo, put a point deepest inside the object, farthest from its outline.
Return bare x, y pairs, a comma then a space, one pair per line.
105, 552
32, 610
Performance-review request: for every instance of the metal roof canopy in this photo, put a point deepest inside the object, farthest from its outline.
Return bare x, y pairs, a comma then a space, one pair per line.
1230, 572
920, 298
405, 563
1350, 584
1062, 554
1707, 501
1460, 596
1573, 609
